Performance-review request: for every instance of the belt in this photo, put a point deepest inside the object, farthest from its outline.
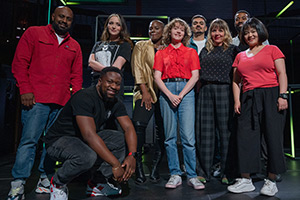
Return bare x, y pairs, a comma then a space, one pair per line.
175, 80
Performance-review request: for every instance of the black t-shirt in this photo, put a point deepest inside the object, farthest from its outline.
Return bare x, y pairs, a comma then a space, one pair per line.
106, 53
86, 102
216, 66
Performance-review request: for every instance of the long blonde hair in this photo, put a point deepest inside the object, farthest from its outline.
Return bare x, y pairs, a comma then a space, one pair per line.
124, 35
220, 24
167, 30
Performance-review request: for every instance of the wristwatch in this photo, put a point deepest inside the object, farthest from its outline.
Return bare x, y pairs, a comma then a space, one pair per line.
134, 154
284, 96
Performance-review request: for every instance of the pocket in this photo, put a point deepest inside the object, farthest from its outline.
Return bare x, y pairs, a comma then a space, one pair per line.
69, 53
45, 48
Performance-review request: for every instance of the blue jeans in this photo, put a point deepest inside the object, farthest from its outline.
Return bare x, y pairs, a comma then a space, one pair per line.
185, 113
35, 121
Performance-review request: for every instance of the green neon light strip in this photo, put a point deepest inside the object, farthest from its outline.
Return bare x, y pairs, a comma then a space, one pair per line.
289, 155
284, 9
139, 38
292, 136
97, 1
49, 10
295, 91
73, 3
128, 93
162, 17
63, 2
291, 124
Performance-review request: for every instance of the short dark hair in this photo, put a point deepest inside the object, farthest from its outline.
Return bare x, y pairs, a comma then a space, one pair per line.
110, 69
242, 11
260, 28
199, 16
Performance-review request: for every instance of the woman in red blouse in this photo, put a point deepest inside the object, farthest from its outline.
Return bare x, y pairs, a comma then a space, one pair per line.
176, 72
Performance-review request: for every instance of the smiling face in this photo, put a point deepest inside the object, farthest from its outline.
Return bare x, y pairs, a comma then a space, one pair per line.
217, 35
251, 37
177, 32
62, 19
198, 26
239, 20
109, 85
155, 31
114, 26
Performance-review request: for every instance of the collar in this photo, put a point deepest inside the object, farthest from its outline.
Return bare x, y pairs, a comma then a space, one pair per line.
50, 29
172, 48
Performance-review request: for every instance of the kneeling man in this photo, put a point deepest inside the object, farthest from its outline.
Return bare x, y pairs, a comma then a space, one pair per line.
78, 138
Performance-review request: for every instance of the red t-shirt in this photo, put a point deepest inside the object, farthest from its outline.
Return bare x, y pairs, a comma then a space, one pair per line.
258, 71
176, 62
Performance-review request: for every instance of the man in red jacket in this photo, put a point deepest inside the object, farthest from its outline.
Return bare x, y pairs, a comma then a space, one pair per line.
46, 63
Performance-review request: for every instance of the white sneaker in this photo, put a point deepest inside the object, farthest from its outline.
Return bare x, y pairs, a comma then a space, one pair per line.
174, 181
17, 190
241, 185
269, 188
195, 183
60, 193
43, 186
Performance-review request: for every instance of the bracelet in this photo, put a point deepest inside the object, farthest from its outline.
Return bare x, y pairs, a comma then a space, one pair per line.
134, 154
115, 168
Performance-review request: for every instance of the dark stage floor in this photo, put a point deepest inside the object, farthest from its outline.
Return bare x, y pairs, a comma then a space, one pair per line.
289, 187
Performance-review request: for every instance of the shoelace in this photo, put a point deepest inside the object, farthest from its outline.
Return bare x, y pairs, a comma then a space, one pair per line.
195, 181
238, 181
268, 183
172, 179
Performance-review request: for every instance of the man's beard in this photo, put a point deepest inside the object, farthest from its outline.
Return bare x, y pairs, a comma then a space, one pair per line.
199, 33
105, 98
58, 30
238, 28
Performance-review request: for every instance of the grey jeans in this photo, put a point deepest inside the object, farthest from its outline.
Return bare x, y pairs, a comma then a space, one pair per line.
78, 157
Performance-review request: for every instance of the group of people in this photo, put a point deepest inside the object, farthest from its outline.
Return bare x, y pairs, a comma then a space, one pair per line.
191, 83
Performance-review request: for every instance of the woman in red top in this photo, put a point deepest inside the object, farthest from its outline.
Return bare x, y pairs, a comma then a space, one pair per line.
261, 107
176, 72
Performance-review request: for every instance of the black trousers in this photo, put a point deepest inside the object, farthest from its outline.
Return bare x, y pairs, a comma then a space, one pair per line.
259, 114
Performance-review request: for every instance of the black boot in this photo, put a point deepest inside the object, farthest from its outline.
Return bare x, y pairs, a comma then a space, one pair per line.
159, 151
154, 176
140, 128
140, 177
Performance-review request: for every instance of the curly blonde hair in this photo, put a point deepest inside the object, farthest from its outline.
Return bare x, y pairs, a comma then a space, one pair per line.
166, 40
219, 24
124, 35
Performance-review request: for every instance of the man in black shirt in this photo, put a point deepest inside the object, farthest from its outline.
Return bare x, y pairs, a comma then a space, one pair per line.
78, 137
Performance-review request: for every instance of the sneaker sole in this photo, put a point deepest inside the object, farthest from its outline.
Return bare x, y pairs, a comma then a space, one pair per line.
241, 191
198, 187
17, 198
172, 186
270, 195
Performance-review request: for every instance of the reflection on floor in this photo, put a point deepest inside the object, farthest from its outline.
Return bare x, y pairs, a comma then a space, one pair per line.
289, 187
